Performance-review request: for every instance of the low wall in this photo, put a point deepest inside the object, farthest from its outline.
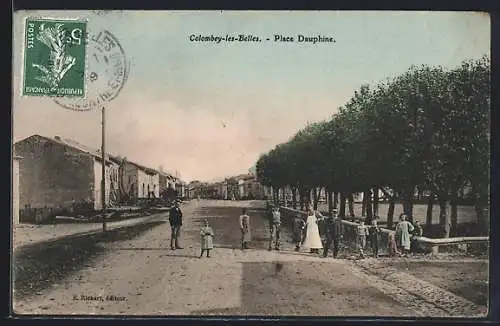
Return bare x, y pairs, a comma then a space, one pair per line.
427, 244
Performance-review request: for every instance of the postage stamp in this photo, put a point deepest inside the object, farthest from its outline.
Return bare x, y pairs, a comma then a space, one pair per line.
54, 57
107, 72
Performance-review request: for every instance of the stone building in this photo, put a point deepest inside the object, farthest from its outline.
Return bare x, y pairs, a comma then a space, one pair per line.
58, 173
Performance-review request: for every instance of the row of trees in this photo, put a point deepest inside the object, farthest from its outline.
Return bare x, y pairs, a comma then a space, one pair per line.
425, 130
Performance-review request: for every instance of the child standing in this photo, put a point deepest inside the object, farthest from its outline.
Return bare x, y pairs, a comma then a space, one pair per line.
206, 234
362, 234
393, 248
298, 226
417, 232
403, 234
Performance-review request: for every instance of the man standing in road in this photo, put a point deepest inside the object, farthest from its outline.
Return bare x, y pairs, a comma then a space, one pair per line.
275, 229
333, 233
175, 219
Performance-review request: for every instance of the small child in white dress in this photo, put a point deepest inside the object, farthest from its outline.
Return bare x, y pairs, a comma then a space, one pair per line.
207, 235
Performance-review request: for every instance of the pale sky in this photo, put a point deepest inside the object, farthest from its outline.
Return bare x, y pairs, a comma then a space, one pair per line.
209, 110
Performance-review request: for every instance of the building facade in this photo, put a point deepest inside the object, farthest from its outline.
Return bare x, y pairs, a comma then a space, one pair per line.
15, 189
140, 182
59, 173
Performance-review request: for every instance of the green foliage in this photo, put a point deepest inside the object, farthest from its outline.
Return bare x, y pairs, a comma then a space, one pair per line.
428, 127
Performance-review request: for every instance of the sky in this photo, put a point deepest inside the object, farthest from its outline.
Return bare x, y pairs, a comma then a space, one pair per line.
210, 110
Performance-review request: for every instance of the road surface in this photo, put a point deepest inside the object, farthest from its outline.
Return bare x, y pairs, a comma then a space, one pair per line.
140, 275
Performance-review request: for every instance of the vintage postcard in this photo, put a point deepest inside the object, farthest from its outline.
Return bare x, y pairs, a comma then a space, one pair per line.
220, 163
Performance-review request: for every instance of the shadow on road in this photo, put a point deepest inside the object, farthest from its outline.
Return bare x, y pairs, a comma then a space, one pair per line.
289, 288
38, 266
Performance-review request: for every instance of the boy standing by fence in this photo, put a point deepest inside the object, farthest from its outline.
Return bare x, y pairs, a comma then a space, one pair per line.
362, 233
333, 230
275, 229
298, 226
374, 235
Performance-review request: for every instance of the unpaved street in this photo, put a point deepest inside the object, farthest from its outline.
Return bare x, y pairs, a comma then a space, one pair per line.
140, 275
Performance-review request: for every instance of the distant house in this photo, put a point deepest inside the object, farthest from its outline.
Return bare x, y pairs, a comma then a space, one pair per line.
180, 189
58, 173
250, 188
140, 182
166, 185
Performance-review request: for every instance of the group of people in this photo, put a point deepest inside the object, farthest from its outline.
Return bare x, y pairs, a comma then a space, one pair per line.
401, 242
306, 233
318, 232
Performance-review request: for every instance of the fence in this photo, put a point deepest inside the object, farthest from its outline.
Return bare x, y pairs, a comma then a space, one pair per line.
427, 244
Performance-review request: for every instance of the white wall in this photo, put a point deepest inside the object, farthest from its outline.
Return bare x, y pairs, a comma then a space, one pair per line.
97, 183
144, 180
15, 191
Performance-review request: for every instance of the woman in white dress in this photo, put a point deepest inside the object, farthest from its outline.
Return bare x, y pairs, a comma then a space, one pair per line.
313, 239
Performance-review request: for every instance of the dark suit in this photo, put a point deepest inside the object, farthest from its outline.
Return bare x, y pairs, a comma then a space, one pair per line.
374, 235
175, 219
333, 228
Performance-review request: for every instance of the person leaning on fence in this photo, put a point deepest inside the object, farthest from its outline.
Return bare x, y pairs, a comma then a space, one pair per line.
417, 232
275, 229
362, 233
298, 227
403, 234
333, 230
206, 234
374, 236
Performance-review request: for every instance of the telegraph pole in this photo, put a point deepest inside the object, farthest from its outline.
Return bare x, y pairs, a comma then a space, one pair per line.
103, 180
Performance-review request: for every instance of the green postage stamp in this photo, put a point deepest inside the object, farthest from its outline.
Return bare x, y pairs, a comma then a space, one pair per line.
54, 57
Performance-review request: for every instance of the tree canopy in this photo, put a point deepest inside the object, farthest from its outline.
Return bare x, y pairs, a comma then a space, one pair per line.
428, 128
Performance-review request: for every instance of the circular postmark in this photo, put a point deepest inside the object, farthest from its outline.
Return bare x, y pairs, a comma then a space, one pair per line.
105, 74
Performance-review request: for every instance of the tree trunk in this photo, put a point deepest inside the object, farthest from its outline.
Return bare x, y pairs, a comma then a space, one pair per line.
330, 203
443, 216
482, 218
342, 206
363, 204
369, 207
375, 201
454, 211
294, 197
316, 194
350, 199
284, 197
408, 203
430, 204
335, 200
462, 193
301, 198
390, 211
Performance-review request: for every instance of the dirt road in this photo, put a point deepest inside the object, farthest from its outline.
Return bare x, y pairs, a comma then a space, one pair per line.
142, 276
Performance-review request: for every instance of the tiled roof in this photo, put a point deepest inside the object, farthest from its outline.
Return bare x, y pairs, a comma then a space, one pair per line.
94, 152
